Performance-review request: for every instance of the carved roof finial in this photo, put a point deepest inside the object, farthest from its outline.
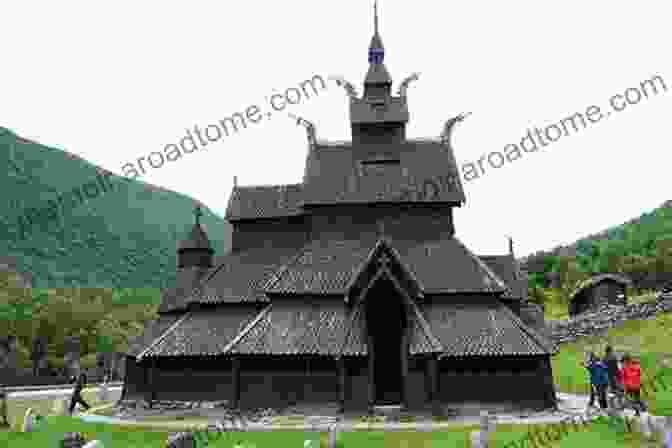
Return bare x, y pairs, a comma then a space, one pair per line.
403, 87
310, 128
448, 126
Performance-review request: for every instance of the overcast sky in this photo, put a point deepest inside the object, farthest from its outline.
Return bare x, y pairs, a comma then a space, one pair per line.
113, 83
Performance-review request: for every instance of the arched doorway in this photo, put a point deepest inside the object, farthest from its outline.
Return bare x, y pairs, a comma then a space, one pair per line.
386, 323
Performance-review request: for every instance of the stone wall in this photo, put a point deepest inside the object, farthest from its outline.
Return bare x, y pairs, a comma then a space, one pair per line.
597, 322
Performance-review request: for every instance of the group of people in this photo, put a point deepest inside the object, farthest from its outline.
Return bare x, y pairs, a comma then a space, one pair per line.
622, 378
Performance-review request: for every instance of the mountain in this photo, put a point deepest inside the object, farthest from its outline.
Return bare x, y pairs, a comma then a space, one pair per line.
125, 236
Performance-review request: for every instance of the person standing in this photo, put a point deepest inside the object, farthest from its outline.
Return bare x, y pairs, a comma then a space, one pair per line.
632, 382
77, 393
612, 368
599, 380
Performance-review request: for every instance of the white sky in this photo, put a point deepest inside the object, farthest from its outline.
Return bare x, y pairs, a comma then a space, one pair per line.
113, 83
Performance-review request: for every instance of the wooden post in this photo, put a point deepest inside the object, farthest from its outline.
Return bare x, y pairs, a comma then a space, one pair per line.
372, 385
235, 376
405, 395
341, 384
432, 373
150, 382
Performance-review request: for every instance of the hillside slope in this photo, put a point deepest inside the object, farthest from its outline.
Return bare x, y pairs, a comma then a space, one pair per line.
644, 241
125, 237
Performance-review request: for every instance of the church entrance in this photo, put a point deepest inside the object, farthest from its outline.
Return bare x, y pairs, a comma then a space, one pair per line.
386, 322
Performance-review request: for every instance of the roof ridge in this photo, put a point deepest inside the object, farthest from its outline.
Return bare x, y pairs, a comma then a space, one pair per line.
426, 327
482, 264
160, 338
246, 330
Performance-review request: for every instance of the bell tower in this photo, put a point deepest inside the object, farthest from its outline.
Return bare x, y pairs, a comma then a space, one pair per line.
378, 117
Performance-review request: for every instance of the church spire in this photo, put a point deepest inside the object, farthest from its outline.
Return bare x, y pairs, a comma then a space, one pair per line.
378, 74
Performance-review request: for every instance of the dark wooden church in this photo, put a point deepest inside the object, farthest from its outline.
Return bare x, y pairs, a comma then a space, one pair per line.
350, 288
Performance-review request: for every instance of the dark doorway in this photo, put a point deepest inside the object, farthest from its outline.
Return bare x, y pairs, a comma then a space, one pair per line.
386, 322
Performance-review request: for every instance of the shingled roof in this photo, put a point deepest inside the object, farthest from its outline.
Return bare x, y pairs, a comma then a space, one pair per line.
327, 266
482, 330
296, 327
186, 279
505, 268
597, 279
204, 333
347, 173
240, 276
152, 330
269, 201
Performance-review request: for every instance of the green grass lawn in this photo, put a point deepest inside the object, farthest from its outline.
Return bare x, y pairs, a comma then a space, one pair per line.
644, 338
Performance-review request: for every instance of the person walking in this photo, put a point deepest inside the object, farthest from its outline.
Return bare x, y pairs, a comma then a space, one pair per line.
599, 380
77, 393
632, 382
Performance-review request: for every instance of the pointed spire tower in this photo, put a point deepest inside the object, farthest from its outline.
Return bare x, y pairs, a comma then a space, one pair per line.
378, 117
195, 250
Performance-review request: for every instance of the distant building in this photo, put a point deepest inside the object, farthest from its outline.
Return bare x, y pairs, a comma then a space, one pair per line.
350, 288
597, 291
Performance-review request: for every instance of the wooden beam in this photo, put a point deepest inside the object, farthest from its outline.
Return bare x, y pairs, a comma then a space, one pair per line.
432, 371
235, 377
341, 383
405, 390
372, 384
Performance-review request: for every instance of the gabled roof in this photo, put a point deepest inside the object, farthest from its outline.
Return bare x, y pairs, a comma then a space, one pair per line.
597, 279
328, 265
340, 174
270, 201
383, 255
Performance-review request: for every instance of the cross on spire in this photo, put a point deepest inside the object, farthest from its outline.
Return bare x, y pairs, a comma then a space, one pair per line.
197, 214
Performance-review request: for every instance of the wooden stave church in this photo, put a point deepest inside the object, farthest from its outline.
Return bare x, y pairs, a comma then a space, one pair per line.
294, 313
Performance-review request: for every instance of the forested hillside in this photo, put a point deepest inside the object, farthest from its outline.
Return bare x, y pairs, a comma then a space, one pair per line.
125, 237
640, 248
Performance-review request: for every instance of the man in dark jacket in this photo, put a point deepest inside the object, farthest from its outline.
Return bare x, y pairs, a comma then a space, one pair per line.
599, 380
77, 393
612, 367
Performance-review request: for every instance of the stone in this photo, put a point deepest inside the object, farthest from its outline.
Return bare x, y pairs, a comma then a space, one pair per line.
94, 444
333, 436
644, 425
72, 440
181, 440
103, 393
478, 439
28, 421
